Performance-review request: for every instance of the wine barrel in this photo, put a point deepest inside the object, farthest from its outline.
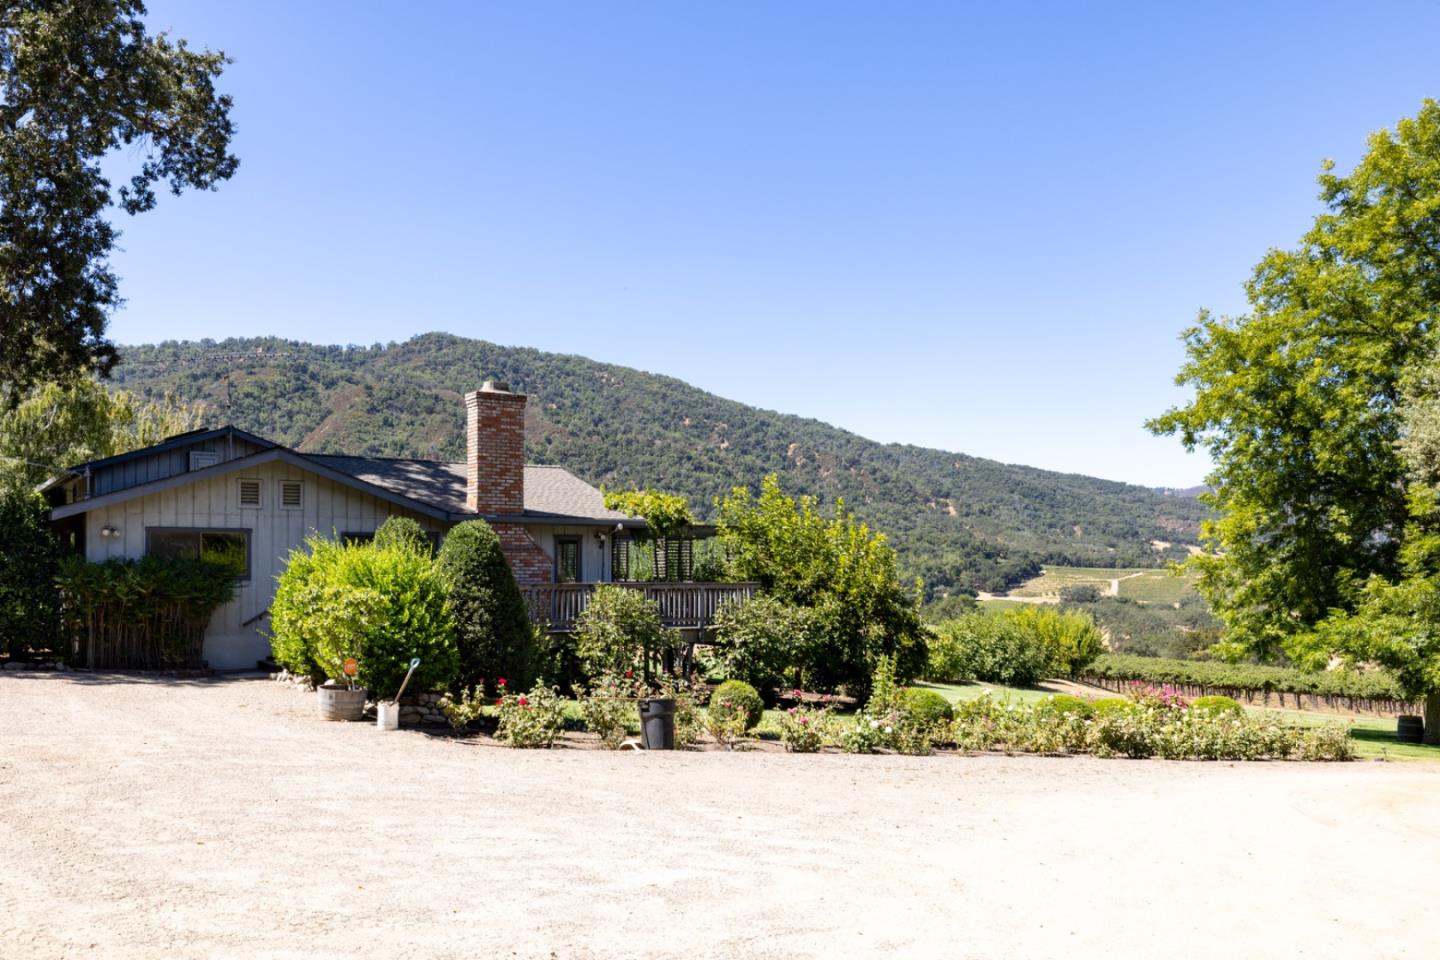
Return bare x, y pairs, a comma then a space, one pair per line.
1410, 729
340, 703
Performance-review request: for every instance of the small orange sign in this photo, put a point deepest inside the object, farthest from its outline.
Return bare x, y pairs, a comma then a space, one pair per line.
351, 666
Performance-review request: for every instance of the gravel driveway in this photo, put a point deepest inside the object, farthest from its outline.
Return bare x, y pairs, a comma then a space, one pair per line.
216, 818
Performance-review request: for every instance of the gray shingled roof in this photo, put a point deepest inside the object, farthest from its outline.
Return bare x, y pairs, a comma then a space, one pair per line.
549, 491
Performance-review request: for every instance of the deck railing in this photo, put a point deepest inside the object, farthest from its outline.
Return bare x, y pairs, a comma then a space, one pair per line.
681, 604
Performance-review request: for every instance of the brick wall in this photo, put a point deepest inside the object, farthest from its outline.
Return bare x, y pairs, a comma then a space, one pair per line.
528, 562
495, 450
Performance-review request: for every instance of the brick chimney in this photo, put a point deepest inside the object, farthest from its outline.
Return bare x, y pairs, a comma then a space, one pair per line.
495, 449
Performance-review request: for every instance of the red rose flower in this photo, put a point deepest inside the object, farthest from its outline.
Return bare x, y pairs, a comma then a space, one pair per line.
524, 702
501, 681
629, 673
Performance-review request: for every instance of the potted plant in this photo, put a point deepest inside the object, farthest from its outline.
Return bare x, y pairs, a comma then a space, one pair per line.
337, 701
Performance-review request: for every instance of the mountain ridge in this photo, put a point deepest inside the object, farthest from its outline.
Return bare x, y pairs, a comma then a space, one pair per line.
958, 521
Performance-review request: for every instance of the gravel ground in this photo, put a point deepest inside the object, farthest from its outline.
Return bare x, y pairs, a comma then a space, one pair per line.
218, 819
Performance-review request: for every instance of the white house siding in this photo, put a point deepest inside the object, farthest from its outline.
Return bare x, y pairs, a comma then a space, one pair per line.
214, 503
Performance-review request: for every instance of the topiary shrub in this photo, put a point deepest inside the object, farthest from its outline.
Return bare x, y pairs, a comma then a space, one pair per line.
381, 606
742, 697
1063, 703
925, 707
1217, 704
493, 634
404, 534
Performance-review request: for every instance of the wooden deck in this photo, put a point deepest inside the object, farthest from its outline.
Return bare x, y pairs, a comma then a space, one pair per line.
682, 605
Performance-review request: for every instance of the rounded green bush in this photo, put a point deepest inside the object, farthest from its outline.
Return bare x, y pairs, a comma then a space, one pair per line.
1217, 704
1063, 703
402, 533
493, 635
743, 696
926, 707
1108, 705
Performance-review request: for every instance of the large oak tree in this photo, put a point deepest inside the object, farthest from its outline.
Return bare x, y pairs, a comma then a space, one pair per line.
80, 80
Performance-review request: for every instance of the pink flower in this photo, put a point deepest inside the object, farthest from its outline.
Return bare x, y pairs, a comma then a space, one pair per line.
501, 681
797, 692
804, 721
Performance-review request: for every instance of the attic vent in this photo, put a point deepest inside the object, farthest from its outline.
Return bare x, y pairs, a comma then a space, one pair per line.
249, 493
200, 459
292, 494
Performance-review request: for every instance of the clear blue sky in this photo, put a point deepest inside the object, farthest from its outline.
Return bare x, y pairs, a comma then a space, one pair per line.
979, 227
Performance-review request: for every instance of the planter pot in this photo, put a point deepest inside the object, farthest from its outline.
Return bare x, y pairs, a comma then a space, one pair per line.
657, 723
340, 703
1410, 729
387, 715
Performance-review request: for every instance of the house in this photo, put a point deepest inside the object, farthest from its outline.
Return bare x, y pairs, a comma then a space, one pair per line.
228, 493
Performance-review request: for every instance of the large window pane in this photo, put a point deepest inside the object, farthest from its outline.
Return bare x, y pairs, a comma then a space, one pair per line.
227, 548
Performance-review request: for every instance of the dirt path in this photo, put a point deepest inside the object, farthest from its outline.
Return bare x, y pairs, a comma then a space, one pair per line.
218, 819
1115, 583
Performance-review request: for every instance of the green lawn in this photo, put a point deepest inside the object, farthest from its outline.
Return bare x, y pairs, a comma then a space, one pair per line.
960, 692
1374, 736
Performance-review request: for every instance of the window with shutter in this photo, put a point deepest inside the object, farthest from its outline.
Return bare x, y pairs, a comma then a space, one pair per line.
567, 559
249, 493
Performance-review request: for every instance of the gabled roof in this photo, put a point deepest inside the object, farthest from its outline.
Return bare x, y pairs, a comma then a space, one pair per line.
178, 441
550, 492
429, 487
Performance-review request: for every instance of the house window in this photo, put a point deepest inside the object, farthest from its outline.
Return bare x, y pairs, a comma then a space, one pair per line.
248, 492
227, 548
567, 559
200, 459
292, 494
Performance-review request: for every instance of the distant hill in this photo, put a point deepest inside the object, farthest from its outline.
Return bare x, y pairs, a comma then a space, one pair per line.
960, 522
1187, 492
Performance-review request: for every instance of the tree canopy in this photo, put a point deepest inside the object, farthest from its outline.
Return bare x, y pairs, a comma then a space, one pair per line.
1298, 400
81, 80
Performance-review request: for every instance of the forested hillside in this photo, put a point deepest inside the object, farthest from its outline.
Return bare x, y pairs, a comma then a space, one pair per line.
960, 522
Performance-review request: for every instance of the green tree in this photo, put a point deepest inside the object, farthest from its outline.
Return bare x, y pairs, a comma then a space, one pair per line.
59, 425
1297, 400
82, 80
492, 624
835, 565
620, 629
29, 562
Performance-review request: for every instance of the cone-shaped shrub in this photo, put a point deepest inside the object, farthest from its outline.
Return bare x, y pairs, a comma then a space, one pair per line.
492, 624
404, 533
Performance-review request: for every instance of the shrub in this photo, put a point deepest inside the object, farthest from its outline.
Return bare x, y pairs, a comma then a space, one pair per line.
620, 630
994, 647
925, 707
493, 633
1126, 733
1063, 703
802, 730
726, 721
741, 697
145, 613
1107, 705
865, 734
1328, 741
402, 533
1217, 704
29, 562
762, 640
1070, 636
531, 720
608, 709
461, 711
689, 721
380, 606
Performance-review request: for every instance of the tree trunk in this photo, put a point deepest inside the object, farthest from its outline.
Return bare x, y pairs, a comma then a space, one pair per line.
1432, 718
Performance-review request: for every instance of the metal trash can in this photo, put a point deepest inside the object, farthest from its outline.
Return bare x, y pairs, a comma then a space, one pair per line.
1410, 729
657, 723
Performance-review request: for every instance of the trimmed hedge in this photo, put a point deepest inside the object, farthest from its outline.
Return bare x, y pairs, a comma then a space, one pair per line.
1370, 685
1217, 704
743, 696
925, 707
